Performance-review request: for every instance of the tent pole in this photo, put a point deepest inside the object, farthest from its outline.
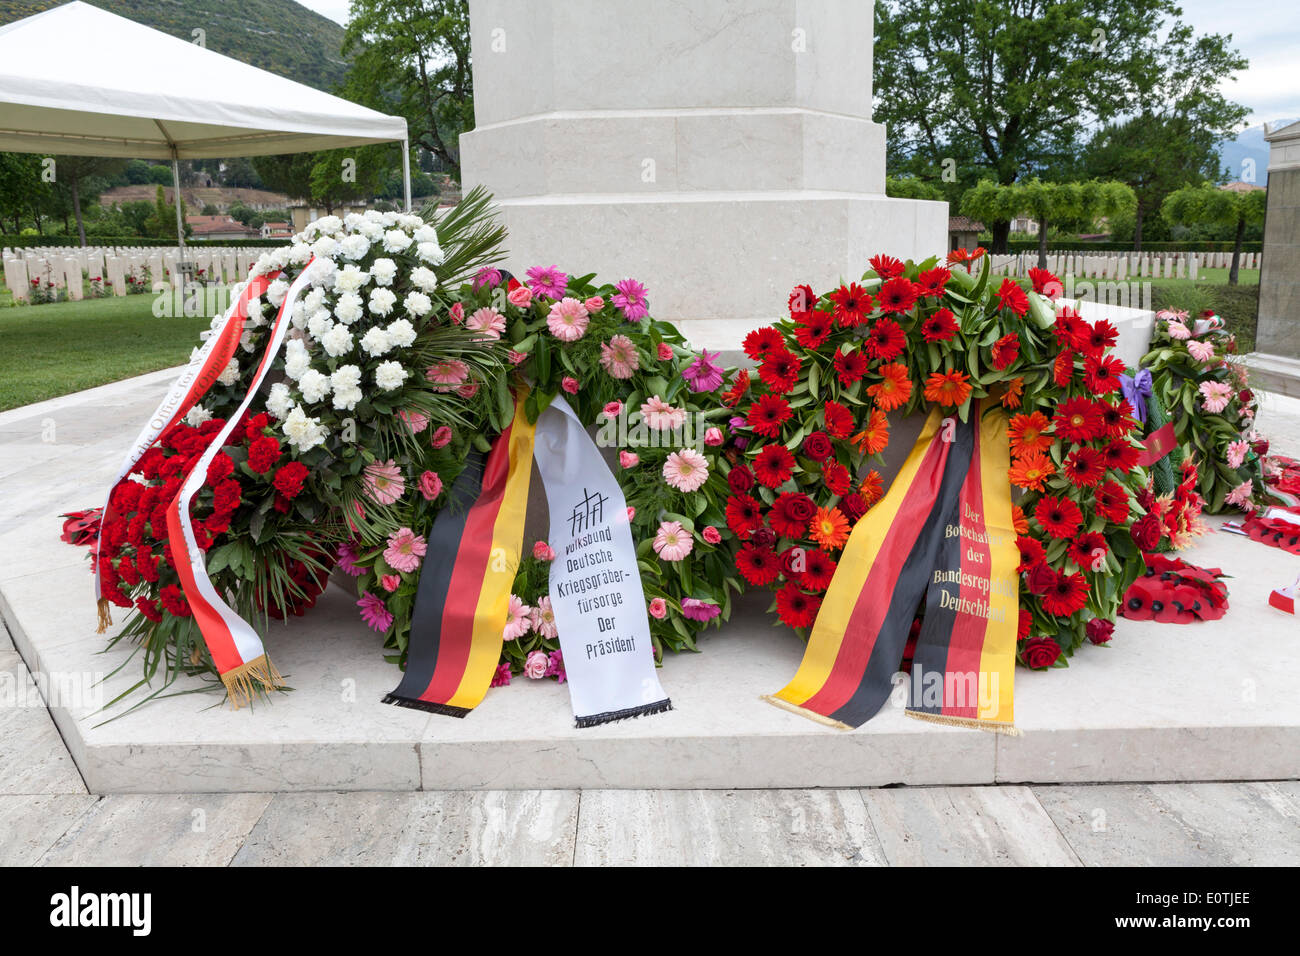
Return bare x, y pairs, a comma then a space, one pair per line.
406, 173
176, 182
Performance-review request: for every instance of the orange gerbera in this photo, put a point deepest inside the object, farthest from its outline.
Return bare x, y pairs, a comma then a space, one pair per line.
1019, 523
1015, 389
872, 488
829, 528
948, 388
1031, 470
875, 437
894, 388
1026, 434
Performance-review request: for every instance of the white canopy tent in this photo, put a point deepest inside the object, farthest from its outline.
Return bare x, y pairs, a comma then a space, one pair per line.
81, 81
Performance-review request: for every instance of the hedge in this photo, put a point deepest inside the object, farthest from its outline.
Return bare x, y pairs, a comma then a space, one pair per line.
23, 242
1078, 245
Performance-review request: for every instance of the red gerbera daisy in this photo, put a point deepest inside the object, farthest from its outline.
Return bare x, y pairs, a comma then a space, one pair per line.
836, 477
1011, 296
802, 300
1030, 471
780, 370
1059, 517
768, 414
852, 304
1096, 338
1101, 375
1087, 549
774, 465
931, 282
738, 389
1067, 326
1063, 368
1117, 420
1078, 420
939, 327
886, 266
1026, 435
1068, 595
1121, 455
850, 366
897, 295
874, 438
1006, 350
812, 329
1045, 283
761, 341
819, 568
1085, 467
948, 388
1113, 502
1025, 625
795, 608
894, 388
885, 341
744, 515
758, 566
872, 488
791, 513
1031, 552
839, 420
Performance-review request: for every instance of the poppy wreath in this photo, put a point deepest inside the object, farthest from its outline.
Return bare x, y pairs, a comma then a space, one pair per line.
813, 417
657, 410
1206, 394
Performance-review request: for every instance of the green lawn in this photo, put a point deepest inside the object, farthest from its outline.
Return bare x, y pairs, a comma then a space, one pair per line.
51, 350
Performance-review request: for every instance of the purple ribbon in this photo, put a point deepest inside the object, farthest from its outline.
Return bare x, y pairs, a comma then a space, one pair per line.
1137, 389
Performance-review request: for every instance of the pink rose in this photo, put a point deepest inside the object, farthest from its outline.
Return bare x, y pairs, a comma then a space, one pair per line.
543, 551
517, 358
631, 513
658, 609
441, 436
391, 582
713, 436
711, 534
628, 459
594, 304
430, 485
468, 390
458, 313
665, 351
613, 409
570, 384
536, 665
521, 297
415, 420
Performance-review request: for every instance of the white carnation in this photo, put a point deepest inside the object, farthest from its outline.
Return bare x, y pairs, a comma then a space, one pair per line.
346, 399
425, 232
417, 303
348, 308
299, 253
383, 271
396, 241
296, 360
337, 341
217, 322
314, 386
299, 318
325, 247
197, 415
322, 272
354, 247
230, 374
280, 258
246, 340
352, 221
423, 277
276, 292
373, 215
328, 225
371, 229
303, 432
401, 333
319, 323
262, 266
382, 301
345, 377
389, 219
375, 341
313, 300
279, 402
350, 279
390, 375
430, 252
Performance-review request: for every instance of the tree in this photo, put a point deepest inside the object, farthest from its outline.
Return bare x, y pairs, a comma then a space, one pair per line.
328, 178
162, 220
161, 175
21, 187
1063, 205
911, 187
137, 172
78, 175
1207, 203
412, 58
1006, 88
241, 174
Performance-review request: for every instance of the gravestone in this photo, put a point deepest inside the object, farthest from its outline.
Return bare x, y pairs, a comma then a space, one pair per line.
718, 152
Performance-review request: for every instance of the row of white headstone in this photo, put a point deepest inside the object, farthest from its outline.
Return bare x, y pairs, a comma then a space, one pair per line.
1120, 266
115, 269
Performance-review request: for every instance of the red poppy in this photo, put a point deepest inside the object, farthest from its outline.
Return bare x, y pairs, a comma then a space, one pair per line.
1101, 375
780, 370
1011, 296
758, 566
791, 513
1067, 596
897, 295
1121, 456
1006, 350
1078, 420
819, 569
886, 266
931, 282
939, 327
1059, 517
886, 340
774, 465
744, 515
852, 305
850, 366
1085, 467
812, 329
795, 608
839, 420
761, 341
768, 414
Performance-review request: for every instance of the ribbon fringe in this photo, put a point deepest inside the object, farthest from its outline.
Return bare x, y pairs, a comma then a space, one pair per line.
105, 618
429, 706
251, 677
805, 712
595, 720
970, 723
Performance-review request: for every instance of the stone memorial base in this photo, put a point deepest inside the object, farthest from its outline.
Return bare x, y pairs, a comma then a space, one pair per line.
1274, 373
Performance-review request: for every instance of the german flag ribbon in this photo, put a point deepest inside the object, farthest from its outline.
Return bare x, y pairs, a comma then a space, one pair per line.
595, 586
943, 533
188, 390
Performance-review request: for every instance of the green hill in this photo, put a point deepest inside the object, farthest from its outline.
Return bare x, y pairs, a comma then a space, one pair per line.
276, 35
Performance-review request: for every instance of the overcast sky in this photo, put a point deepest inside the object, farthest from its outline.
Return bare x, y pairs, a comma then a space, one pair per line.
1263, 30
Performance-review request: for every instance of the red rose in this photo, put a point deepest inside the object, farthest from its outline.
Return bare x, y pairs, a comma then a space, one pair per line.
1040, 652
1041, 579
1147, 532
740, 479
817, 446
1099, 630
763, 538
289, 479
854, 507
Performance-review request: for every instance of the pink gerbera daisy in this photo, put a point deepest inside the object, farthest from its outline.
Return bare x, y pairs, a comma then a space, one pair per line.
568, 320
488, 322
661, 416
451, 372
548, 281
374, 612
618, 357
1201, 351
1239, 497
518, 619
404, 551
672, 541
1216, 396
383, 482
630, 299
703, 374
543, 618
686, 470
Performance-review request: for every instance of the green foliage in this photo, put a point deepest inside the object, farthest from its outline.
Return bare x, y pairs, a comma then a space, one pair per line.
912, 187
